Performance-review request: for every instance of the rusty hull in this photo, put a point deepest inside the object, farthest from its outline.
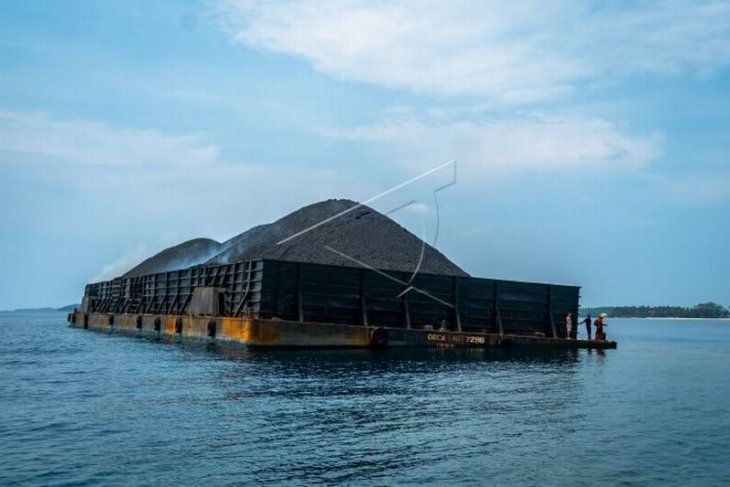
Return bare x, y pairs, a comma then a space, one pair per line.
272, 333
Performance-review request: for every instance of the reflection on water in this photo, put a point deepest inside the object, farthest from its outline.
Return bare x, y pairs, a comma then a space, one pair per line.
99, 408
356, 357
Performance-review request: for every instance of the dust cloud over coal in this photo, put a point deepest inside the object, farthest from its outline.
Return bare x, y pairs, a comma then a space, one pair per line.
357, 235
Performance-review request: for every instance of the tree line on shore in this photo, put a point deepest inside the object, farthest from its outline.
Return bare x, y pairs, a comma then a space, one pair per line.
702, 310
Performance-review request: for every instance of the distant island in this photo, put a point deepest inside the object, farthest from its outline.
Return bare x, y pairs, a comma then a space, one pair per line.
67, 308
702, 310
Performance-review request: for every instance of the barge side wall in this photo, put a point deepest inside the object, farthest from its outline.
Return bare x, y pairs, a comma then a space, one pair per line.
318, 293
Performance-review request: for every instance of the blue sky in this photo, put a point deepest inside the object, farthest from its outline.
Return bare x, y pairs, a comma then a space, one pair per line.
592, 140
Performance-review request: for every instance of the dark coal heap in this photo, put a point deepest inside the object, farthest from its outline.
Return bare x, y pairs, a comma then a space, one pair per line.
186, 254
362, 234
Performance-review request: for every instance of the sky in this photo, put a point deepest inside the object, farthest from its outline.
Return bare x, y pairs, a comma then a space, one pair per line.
591, 139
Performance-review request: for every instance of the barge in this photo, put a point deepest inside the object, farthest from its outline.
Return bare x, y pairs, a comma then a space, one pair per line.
265, 303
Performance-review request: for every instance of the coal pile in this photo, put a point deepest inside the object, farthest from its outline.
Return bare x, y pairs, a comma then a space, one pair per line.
186, 254
362, 234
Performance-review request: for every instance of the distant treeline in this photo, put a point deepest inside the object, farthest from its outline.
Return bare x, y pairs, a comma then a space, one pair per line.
702, 310
69, 307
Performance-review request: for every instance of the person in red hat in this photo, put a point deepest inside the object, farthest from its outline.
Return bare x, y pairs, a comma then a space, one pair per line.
599, 324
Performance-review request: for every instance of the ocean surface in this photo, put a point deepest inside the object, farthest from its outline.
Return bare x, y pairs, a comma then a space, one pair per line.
89, 408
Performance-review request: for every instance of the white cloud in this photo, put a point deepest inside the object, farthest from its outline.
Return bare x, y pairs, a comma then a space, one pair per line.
514, 144
89, 142
150, 189
502, 51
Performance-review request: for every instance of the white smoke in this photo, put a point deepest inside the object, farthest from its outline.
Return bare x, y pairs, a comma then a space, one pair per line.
121, 265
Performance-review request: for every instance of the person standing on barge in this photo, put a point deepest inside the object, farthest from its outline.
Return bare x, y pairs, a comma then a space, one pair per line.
569, 326
587, 322
600, 336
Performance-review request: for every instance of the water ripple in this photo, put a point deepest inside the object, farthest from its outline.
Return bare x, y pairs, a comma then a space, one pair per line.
82, 408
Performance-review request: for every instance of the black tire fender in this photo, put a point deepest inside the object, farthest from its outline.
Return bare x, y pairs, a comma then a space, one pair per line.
504, 343
379, 337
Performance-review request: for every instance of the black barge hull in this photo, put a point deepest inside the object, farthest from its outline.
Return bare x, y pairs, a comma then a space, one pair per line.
269, 303
267, 333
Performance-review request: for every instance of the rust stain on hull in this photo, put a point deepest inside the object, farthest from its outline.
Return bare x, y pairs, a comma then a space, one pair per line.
272, 333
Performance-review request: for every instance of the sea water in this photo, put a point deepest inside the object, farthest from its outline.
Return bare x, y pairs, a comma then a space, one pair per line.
92, 408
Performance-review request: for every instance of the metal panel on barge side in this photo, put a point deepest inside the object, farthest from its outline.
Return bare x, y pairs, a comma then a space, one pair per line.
314, 293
